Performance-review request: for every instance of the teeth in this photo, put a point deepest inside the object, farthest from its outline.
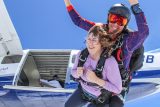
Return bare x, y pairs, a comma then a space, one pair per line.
114, 28
91, 47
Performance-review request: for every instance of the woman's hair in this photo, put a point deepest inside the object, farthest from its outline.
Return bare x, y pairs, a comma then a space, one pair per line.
101, 31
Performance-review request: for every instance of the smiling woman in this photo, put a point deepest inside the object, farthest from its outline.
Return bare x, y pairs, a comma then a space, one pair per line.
95, 85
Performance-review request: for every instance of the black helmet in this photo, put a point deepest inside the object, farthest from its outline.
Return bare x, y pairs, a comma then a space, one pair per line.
122, 10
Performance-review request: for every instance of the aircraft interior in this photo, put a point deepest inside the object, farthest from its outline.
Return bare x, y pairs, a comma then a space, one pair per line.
42, 68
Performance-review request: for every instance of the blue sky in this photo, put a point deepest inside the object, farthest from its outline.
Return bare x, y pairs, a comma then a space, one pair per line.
45, 24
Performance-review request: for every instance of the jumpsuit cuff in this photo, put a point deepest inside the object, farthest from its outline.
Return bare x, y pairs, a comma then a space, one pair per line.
69, 8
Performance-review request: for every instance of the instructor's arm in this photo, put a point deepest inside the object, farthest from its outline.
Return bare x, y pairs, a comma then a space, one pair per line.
76, 18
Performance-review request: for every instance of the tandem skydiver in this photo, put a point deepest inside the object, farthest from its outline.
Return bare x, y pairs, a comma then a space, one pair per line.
127, 42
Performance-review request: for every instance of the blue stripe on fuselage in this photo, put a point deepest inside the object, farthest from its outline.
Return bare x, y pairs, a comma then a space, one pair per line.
147, 74
6, 80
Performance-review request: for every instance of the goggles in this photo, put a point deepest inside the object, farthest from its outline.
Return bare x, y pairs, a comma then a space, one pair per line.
121, 21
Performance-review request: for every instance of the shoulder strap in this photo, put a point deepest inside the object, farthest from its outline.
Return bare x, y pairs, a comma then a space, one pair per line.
101, 62
118, 54
83, 57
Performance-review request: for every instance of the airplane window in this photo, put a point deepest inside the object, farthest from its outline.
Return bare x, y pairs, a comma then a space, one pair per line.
11, 59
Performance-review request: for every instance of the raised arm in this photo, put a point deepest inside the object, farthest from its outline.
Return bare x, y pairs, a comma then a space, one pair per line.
136, 38
76, 18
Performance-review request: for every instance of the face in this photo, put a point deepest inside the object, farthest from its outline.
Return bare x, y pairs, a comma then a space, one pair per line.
93, 44
116, 23
114, 28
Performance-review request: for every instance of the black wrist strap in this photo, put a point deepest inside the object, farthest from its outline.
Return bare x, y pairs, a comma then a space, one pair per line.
136, 9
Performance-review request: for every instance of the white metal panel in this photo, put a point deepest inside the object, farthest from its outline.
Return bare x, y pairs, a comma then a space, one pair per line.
8, 69
9, 40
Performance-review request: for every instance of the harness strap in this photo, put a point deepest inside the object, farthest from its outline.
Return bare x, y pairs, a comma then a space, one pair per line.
88, 83
101, 63
103, 98
83, 57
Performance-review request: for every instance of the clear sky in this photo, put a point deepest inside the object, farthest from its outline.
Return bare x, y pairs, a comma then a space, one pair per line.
45, 24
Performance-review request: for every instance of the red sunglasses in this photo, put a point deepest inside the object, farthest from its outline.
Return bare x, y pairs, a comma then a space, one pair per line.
121, 21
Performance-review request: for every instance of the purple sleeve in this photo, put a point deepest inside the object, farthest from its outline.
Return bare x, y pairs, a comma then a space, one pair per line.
78, 20
74, 69
112, 73
136, 38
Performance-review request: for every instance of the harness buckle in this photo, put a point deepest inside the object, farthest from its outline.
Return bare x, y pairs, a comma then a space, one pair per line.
120, 63
101, 100
85, 83
100, 69
82, 59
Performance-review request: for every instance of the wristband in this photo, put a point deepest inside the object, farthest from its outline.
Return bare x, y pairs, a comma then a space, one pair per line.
136, 9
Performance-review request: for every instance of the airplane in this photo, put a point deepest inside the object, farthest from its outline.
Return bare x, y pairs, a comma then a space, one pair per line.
41, 78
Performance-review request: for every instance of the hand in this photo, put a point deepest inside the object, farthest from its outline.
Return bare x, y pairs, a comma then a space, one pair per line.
67, 2
91, 76
133, 2
80, 71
